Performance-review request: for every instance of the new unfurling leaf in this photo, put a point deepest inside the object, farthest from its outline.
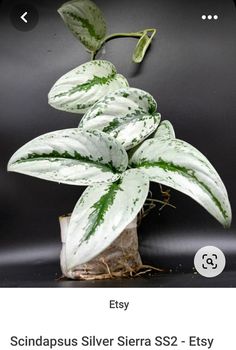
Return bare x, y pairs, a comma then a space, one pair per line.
142, 45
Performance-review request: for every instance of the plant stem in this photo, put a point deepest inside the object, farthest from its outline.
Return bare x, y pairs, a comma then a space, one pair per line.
129, 35
123, 35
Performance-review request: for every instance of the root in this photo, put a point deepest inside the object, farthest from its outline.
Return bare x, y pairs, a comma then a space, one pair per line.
124, 273
107, 266
151, 268
151, 203
61, 278
165, 196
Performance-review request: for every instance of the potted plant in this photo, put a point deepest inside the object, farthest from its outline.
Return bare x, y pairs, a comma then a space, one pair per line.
120, 145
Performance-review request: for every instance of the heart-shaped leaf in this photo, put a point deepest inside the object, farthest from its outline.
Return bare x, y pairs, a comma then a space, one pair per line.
128, 114
71, 156
85, 20
101, 214
83, 86
177, 164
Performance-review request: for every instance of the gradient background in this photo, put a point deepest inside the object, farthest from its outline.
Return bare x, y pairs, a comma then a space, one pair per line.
190, 71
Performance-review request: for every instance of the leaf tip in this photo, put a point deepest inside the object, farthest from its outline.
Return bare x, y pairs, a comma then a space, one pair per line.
227, 222
60, 11
226, 215
10, 165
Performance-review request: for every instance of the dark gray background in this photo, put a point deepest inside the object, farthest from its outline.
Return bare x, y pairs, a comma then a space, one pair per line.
190, 71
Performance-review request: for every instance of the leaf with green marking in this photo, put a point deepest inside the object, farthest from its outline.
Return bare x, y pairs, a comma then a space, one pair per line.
101, 214
142, 46
85, 20
71, 156
83, 86
128, 114
177, 164
165, 131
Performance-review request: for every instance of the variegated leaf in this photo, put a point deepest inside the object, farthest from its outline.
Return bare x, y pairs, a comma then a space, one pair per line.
85, 21
83, 86
165, 131
177, 164
101, 214
127, 114
71, 156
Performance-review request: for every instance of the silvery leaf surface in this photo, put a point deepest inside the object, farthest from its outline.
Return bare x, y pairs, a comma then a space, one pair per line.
102, 213
179, 165
128, 114
85, 20
83, 86
165, 131
71, 156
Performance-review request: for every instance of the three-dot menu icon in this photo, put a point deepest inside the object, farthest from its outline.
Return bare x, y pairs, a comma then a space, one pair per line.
210, 17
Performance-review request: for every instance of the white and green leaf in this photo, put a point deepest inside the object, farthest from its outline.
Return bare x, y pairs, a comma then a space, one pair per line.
128, 114
71, 156
102, 213
82, 87
179, 165
86, 21
165, 131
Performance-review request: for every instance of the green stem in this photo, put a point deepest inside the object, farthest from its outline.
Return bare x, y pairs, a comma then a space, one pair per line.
123, 35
